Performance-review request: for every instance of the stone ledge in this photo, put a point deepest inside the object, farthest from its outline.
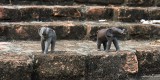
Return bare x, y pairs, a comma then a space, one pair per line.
82, 13
76, 30
149, 60
111, 66
15, 67
79, 60
60, 65
70, 65
136, 3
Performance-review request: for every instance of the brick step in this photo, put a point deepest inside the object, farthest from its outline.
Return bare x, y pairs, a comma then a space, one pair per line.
78, 60
78, 30
142, 3
93, 13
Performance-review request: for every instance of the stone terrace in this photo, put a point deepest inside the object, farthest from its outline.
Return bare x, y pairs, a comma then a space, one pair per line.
76, 23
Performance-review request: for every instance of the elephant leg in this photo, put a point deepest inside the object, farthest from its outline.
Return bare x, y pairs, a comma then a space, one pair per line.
47, 44
104, 45
109, 41
53, 45
42, 45
115, 42
98, 45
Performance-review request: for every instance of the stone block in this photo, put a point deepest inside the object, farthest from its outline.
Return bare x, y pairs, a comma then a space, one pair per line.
60, 2
101, 2
67, 13
20, 32
140, 3
2, 13
37, 2
157, 2
4, 2
154, 13
104, 2
3, 33
155, 32
116, 2
10, 14
15, 67
68, 30
139, 31
35, 14
38, 13
143, 31
149, 60
111, 66
96, 13
132, 14
60, 66
77, 30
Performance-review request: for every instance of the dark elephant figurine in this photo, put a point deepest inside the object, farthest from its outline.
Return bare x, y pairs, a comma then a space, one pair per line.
48, 36
107, 36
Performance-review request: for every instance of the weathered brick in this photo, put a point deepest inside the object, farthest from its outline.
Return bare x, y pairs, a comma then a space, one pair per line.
78, 30
116, 2
15, 67
149, 59
95, 13
4, 2
1, 13
64, 31
157, 2
72, 2
140, 2
67, 13
4, 33
144, 32
132, 14
111, 66
36, 14
20, 32
61, 2
60, 66
154, 13
102, 2
49, 14
10, 14
93, 1
37, 2
140, 31
155, 32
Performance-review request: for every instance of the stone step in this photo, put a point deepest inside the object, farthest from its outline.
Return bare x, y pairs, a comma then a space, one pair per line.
17, 13
78, 30
142, 3
80, 60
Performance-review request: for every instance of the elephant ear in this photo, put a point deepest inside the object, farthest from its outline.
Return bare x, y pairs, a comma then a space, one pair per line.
50, 32
42, 31
39, 31
109, 33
